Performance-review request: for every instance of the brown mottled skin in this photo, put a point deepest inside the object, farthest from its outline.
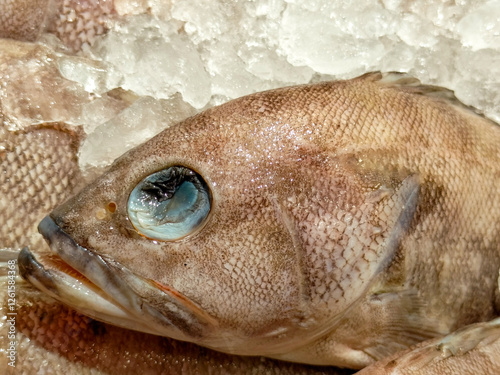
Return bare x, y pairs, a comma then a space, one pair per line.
349, 220
75, 22
22, 19
38, 169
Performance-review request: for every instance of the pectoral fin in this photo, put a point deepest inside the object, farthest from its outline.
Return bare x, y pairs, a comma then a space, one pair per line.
397, 214
474, 349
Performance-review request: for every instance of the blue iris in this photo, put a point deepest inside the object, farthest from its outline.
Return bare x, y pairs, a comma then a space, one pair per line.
169, 204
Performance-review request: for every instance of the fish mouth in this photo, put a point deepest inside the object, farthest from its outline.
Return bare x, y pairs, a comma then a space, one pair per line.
82, 279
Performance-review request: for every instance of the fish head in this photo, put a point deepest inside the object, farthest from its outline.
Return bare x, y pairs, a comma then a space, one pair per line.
243, 228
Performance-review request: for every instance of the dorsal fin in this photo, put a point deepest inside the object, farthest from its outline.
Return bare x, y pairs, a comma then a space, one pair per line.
407, 83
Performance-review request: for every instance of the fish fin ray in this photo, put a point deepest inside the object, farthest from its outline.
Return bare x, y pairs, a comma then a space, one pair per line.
403, 321
406, 82
472, 349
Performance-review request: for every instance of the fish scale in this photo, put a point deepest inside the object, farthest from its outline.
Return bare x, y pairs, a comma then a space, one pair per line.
39, 168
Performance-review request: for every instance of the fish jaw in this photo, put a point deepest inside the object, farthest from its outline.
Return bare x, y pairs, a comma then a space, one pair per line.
75, 292
94, 287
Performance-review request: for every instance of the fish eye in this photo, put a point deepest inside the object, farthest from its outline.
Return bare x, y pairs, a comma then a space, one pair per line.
169, 204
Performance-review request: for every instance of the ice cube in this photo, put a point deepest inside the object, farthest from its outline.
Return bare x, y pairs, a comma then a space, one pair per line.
154, 59
32, 90
144, 118
481, 27
314, 39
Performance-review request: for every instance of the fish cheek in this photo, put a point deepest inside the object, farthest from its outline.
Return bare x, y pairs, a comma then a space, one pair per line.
238, 271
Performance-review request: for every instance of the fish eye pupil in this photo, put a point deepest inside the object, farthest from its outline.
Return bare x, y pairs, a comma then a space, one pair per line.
166, 185
160, 190
169, 204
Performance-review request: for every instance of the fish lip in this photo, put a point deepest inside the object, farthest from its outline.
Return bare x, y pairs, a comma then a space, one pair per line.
117, 282
29, 267
85, 261
78, 294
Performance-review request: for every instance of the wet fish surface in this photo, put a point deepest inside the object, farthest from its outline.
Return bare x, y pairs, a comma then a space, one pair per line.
39, 169
328, 224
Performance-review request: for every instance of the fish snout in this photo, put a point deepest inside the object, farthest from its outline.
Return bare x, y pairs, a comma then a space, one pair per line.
51, 232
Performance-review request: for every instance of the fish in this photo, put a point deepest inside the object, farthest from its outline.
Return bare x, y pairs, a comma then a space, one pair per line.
330, 224
39, 154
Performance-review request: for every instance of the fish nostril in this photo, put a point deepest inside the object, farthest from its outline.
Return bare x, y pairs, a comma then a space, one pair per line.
111, 207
